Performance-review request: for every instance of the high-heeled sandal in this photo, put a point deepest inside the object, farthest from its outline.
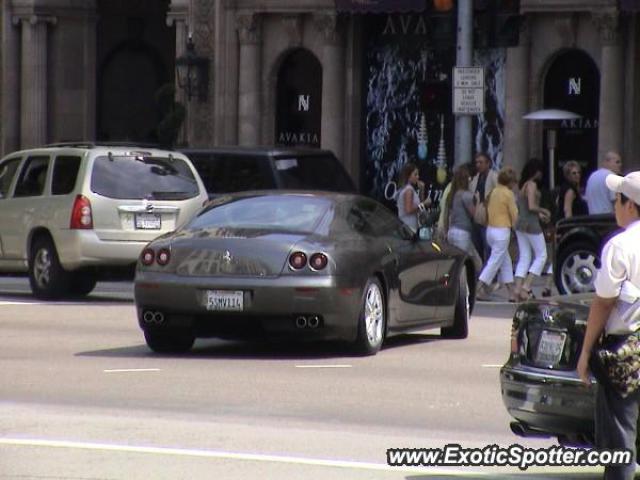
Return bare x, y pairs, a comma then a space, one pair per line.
526, 295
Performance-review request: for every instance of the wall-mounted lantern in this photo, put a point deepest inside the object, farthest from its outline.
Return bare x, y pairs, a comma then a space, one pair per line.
193, 72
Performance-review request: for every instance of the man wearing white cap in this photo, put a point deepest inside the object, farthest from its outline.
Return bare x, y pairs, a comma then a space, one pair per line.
617, 287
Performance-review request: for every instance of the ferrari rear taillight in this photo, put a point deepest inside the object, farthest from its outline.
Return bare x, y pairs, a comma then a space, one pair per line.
297, 260
163, 257
318, 261
81, 216
147, 256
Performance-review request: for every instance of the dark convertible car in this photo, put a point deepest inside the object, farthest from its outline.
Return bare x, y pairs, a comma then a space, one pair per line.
540, 386
300, 265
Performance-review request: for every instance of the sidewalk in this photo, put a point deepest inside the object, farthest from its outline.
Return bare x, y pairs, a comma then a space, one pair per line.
501, 295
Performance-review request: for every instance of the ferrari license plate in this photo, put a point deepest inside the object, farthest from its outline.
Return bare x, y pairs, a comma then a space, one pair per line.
148, 221
225, 300
550, 347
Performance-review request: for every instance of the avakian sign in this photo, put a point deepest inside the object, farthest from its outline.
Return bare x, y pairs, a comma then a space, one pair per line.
299, 100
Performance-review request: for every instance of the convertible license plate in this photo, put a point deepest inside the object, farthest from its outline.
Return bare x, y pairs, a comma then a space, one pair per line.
550, 347
148, 221
225, 300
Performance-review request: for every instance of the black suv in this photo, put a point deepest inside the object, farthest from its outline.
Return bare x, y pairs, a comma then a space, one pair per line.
578, 243
235, 169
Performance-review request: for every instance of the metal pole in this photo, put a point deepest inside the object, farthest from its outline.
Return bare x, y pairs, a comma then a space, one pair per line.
464, 58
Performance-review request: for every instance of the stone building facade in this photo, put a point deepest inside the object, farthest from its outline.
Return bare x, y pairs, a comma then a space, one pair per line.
91, 69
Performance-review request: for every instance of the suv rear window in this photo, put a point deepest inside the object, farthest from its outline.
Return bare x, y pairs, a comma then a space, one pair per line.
318, 172
129, 177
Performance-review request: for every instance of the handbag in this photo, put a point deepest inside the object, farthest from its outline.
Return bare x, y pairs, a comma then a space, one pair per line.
480, 215
617, 358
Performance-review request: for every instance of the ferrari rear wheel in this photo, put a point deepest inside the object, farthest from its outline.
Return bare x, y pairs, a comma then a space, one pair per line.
169, 341
460, 327
372, 321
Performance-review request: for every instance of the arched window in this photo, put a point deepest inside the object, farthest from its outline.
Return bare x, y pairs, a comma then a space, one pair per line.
572, 83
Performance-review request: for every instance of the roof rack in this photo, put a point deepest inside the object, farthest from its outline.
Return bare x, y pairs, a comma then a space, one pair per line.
93, 144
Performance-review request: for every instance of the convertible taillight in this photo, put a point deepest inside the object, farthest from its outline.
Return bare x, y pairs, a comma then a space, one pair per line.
318, 261
297, 260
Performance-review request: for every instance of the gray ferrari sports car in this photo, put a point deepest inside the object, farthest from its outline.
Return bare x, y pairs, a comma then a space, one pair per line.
300, 265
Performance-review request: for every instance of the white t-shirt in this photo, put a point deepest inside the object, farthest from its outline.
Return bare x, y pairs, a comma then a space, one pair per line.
599, 198
619, 276
410, 219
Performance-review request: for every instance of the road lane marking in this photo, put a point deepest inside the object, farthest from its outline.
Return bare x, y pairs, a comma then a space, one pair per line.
20, 303
323, 366
491, 365
128, 370
252, 457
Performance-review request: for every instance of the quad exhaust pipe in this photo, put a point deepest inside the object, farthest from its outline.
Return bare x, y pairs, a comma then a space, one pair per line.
153, 317
311, 321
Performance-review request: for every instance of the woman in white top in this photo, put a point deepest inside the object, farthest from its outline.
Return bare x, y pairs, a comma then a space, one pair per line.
409, 200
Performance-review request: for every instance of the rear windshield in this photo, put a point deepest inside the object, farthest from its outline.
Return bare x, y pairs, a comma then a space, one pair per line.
128, 177
292, 213
318, 172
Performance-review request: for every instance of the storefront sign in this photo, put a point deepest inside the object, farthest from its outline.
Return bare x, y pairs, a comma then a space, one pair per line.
299, 100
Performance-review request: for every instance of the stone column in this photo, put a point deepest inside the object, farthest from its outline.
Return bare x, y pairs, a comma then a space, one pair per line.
610, 128
33, 121
249, 101
333, 85
10, 140
517, 100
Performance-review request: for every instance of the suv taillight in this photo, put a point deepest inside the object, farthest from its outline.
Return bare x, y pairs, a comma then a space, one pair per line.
81, 217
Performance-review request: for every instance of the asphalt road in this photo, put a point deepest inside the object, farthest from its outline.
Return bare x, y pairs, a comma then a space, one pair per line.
83, 398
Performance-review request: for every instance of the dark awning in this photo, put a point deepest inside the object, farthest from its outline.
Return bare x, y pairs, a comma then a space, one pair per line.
380, 6
630, 5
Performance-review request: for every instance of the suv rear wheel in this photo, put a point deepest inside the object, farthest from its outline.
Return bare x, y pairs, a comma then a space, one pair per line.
48, 280
576, 268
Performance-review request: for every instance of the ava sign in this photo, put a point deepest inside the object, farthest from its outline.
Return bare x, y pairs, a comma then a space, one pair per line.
468, 90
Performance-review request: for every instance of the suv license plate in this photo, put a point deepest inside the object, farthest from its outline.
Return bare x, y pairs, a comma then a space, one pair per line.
225, 300
550, 347
148, 221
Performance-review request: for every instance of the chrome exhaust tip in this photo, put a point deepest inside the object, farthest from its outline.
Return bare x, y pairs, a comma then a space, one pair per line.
314, 321
301, 322
148, 316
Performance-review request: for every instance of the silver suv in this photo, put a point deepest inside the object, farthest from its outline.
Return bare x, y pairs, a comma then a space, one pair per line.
68, 211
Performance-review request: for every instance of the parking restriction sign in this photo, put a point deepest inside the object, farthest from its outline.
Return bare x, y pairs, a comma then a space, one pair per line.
468, 90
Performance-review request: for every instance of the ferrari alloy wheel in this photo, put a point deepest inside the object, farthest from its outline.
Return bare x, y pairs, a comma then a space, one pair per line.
372, 321
462, 312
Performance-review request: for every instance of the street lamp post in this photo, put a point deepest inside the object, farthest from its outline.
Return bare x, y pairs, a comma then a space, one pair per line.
193, 73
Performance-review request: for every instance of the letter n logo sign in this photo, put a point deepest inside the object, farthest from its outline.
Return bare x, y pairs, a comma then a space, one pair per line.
575, 85
303, 103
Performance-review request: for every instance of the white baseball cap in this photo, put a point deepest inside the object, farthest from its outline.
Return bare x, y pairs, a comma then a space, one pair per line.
629, 185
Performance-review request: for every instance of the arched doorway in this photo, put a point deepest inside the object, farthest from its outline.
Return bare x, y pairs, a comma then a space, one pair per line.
299, 100
573, 83
135, 58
